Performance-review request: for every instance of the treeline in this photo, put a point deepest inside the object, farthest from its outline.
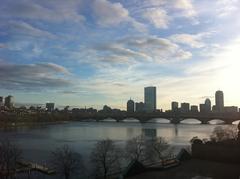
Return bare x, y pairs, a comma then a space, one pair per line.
33, 117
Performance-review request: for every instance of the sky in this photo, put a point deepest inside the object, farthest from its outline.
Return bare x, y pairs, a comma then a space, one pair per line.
95, 52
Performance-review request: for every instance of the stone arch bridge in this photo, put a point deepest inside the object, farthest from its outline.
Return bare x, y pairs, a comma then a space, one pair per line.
175, 118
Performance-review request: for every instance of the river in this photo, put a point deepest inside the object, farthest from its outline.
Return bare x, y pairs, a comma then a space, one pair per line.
38, 141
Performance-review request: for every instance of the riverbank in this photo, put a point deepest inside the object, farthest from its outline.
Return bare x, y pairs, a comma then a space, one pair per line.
195, 169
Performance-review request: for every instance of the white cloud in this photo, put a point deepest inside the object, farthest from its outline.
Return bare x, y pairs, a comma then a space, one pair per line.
227, 7
193, 40
157, 16
136, 49
108, 13
33, 76
186, 6
52, 11
23, 28
112, 14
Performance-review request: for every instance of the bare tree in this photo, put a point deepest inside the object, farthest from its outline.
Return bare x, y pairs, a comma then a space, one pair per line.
67, 162
156, 149
10, 153
134, 149
224, 133
105, 158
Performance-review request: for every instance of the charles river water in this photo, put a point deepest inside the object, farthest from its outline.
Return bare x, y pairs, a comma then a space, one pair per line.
38, 141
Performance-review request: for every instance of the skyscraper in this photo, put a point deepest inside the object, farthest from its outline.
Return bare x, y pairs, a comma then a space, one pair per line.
50, 107
150, 98
208, 106
1, 101
130, 106
185, 107
219, 101
194, 108
140, 107
174, 106
9, 102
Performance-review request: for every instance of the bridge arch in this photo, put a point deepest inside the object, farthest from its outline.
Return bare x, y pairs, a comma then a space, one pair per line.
89, 120
216, 121
130, 119
190, 121
236, 122
159, 120
108, 119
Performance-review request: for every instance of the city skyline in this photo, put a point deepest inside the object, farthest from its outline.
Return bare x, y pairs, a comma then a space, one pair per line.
149, 104
77, 52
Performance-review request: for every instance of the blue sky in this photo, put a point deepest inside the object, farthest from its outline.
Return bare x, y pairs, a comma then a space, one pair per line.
95, 52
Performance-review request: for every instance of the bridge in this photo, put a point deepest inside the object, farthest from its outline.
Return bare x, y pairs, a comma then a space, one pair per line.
175, 118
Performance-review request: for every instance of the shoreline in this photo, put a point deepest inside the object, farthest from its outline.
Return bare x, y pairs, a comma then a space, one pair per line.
26, 124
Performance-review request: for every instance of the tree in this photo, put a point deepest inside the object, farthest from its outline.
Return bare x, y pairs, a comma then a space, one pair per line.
224, 133
156, 148
196, 140
134, 149
105, 158
66, 162
10, 153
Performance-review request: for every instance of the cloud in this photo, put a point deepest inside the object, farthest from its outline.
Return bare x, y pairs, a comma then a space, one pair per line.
158, 49
116, 48
23, 28
227, 7
33, 76
192, 40
157, 16
112, 14
108, 13
135, 49
52, 11
186, 6
161, 12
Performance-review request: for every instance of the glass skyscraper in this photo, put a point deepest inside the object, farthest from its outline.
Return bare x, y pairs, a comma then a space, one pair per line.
150, 98
219, 100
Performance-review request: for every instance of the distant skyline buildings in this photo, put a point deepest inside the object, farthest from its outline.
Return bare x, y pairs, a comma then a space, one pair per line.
1, 101
174, 106
208, 106
219, 101
130, 106
9, 102
150, 98
50, 107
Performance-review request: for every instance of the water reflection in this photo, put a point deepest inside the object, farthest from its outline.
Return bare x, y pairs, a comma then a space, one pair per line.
176, 130
38, 141
149, 133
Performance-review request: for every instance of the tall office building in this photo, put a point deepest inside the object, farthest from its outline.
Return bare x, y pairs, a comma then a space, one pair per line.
140, 107
194, 108
219, 101
130, 106
185, 107
208, 106
150, 98
9, 102
1, 101
50, 107
174, 106
202, 108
